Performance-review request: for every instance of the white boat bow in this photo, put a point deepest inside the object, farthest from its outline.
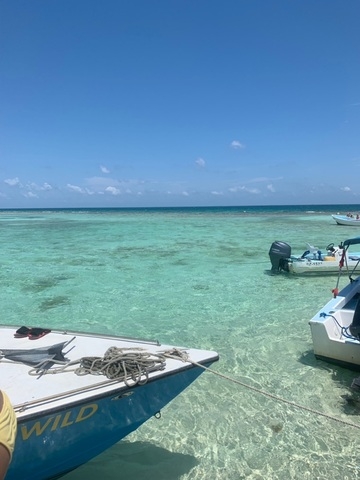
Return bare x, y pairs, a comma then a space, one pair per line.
76, 394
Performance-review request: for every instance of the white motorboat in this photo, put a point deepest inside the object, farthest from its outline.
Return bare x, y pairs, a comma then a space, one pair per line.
76, 394
335, 328
312, 260
348, 219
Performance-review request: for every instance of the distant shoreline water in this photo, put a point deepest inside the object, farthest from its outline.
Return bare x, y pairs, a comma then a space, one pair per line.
240, 210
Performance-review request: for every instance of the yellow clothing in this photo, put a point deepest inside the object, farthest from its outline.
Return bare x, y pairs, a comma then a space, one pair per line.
8, 424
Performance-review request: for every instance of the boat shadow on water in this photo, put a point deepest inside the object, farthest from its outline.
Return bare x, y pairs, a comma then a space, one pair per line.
136, 460
343, 377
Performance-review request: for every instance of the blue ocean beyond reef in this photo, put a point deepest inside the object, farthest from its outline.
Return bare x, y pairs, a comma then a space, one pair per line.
197, 277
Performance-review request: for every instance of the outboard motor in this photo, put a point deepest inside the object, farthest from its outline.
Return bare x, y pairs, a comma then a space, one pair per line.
355, 324
279, 252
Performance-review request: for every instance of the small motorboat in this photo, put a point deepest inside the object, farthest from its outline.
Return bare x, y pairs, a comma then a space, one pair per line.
312, 260
335, 328
77, 394
348, 219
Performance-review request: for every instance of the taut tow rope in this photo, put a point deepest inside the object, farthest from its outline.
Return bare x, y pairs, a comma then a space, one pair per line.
179, 355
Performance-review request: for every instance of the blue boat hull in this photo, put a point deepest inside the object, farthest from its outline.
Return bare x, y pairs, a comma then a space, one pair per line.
48, 447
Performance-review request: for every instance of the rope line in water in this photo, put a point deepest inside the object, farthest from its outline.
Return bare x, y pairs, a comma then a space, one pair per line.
186, 358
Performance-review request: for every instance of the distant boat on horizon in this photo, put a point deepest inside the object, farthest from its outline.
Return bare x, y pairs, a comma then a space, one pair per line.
347, 220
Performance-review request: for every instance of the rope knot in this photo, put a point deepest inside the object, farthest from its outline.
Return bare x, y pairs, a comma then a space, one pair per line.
178, 354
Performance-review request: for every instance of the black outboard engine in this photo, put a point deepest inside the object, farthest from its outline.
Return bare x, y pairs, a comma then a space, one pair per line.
279, 252
355, 324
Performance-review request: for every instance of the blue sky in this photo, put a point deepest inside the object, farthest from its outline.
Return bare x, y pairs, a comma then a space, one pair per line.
142, 103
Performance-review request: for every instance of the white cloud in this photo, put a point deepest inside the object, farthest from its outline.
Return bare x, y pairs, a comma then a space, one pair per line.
35, 186
13, 182
113, 190
271, 188
104, 169
346, 189
185, 194
111, 185
254, 191
75, 188
97, 181
214, 192
200, 162
100, 183
263, 179
30, 195
236, 145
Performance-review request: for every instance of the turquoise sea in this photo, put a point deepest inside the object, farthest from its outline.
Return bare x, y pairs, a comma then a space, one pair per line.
198, 277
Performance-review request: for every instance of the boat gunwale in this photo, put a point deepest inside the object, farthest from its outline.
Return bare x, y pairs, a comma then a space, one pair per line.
104, 336
23, 413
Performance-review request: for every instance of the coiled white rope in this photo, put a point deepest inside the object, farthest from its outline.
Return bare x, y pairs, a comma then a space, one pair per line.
123, 364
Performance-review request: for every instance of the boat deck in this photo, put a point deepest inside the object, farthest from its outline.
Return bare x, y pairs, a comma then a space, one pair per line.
31, 392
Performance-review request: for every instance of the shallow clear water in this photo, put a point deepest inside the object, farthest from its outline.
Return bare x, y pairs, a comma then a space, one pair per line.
201, 278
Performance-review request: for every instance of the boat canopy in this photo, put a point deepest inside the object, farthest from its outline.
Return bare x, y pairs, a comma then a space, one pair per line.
351, 241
